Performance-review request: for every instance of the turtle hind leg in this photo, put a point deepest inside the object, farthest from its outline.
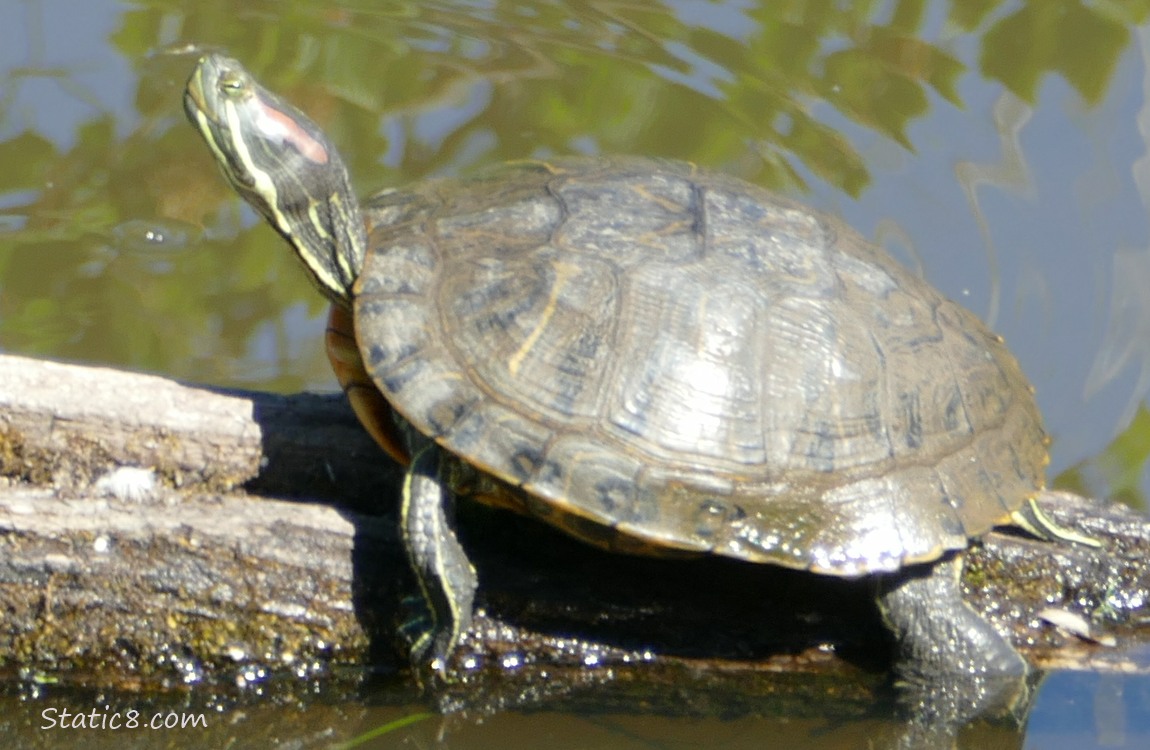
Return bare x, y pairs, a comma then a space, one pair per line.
953, 665
446, 578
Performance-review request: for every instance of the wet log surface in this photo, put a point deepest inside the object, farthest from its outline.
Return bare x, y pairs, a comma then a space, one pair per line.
156, 534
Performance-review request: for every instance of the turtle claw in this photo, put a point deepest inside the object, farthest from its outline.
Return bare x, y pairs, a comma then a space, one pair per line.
415, 629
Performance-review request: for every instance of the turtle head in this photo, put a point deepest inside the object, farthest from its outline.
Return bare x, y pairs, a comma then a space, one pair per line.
282, 164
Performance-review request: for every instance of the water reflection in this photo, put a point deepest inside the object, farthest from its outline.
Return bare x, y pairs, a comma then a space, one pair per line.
1073, 712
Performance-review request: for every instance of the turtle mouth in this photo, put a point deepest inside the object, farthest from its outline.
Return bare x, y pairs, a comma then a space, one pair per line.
205, 113
199, 107
194, 91
194, 104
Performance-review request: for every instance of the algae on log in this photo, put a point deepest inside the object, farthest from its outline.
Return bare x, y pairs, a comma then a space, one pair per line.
111, 579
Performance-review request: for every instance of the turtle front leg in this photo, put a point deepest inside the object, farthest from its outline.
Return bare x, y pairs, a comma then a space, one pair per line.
445, 575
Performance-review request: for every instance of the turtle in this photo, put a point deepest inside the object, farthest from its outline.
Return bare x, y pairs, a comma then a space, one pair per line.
656, 359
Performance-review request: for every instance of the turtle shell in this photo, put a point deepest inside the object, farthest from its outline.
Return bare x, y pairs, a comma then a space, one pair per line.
655, 357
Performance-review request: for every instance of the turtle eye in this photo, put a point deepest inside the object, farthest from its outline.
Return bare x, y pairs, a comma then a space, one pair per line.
231, 84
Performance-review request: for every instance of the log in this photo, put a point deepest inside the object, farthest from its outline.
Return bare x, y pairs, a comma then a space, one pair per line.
65, 426
159, 534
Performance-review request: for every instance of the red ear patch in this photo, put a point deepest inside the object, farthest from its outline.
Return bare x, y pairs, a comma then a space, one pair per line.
276, 124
